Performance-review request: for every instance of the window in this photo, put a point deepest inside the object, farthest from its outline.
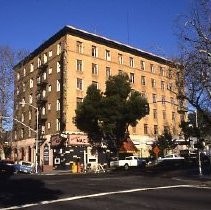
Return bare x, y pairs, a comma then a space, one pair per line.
24, 86
44, 93
79, 47
17, 91
44, 76
153, 81
152, 69
31, 67
22, 117
145, 128
172, 100
131, 62
30, 133
108, 72
162, 71
49, 88
108, 55
58, 67
170, 73
31, 83
163, 99
79, 84
24, 72
164, 114
57, 105
94, 69
18, 76
132, 78
155, 114
95, 83
57, 125
94, 51
143, 80
170, 86
30, 98
30, 115
120, 58
22, 132
162, 85
50, 53
59, 48
78, 101
39, 62
155, 129
45, 58
50, 70
154, 100
49, 106
173, 116
79, 65
57, 85
142, 65
43, 111
49, 125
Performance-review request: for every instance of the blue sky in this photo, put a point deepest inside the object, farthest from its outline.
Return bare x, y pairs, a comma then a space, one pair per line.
145, 24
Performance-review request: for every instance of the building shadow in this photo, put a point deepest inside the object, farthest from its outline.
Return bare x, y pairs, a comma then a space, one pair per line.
15, 192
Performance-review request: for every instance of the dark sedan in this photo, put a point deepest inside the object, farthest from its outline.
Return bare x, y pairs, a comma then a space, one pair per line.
7, 167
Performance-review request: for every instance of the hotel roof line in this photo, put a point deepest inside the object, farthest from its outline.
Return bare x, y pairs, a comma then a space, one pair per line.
87, 35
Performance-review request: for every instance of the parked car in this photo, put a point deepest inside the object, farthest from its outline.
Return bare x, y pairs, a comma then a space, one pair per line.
7, 167
170, 157
130, 161
24, 167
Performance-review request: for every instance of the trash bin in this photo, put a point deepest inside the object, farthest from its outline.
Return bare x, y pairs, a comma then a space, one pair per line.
74, 167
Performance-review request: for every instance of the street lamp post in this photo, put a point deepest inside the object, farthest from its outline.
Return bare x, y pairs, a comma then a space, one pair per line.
37, 135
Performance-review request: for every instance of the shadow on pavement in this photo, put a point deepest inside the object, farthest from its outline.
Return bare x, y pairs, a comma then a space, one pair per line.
24, 191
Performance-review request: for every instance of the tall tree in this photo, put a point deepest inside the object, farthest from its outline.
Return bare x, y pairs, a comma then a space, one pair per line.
195, 40
105, 117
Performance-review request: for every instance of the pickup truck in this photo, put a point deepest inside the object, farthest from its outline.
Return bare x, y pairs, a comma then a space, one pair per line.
170, 157
130, 161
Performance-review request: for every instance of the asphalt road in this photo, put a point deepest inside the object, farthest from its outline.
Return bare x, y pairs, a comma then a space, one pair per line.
104, 191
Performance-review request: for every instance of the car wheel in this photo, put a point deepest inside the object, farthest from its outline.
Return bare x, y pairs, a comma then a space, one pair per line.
126, 166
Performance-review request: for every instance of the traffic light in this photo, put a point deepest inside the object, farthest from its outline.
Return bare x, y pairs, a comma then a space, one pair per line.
146, 106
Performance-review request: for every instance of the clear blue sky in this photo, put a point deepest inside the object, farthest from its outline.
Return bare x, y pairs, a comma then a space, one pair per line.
145, 24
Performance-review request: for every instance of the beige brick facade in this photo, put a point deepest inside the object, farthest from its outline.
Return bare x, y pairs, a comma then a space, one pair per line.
55, 77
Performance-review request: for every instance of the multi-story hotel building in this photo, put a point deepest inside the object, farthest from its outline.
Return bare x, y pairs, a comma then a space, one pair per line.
54, 78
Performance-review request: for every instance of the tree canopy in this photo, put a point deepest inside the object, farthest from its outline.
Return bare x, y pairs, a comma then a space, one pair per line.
105, 117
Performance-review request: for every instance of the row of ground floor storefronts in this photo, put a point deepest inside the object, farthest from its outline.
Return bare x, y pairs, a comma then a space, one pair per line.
67, 151
73, 152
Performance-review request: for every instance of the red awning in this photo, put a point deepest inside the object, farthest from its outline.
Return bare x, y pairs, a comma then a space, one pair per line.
128, 147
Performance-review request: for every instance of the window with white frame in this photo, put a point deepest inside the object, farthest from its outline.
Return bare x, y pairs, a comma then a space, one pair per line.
59, 48
50, 53
155, 114
31, 83
79, 65
162, 85
120, 58
162, 71
22, 132
79, 83
58, 67
142, 63
57, 85
57, 125
45, 58
94, 69
31, 67
79, 47
43, 129
24, 72
107, 55
43, 111
44, 93
143, 80
163, 99
132, 78
153, 82
94, 51
131, 61
23, 102
152, 68
22, 117
49, 125
57, 105
18, 76
30, 114
50, 70
30, 133
108, 72
49, 88
44, 76
49, 106
39, 62
24, 87
30, 98
154, 98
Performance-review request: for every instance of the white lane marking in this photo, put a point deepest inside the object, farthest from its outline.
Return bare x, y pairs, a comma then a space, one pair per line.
101, 194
